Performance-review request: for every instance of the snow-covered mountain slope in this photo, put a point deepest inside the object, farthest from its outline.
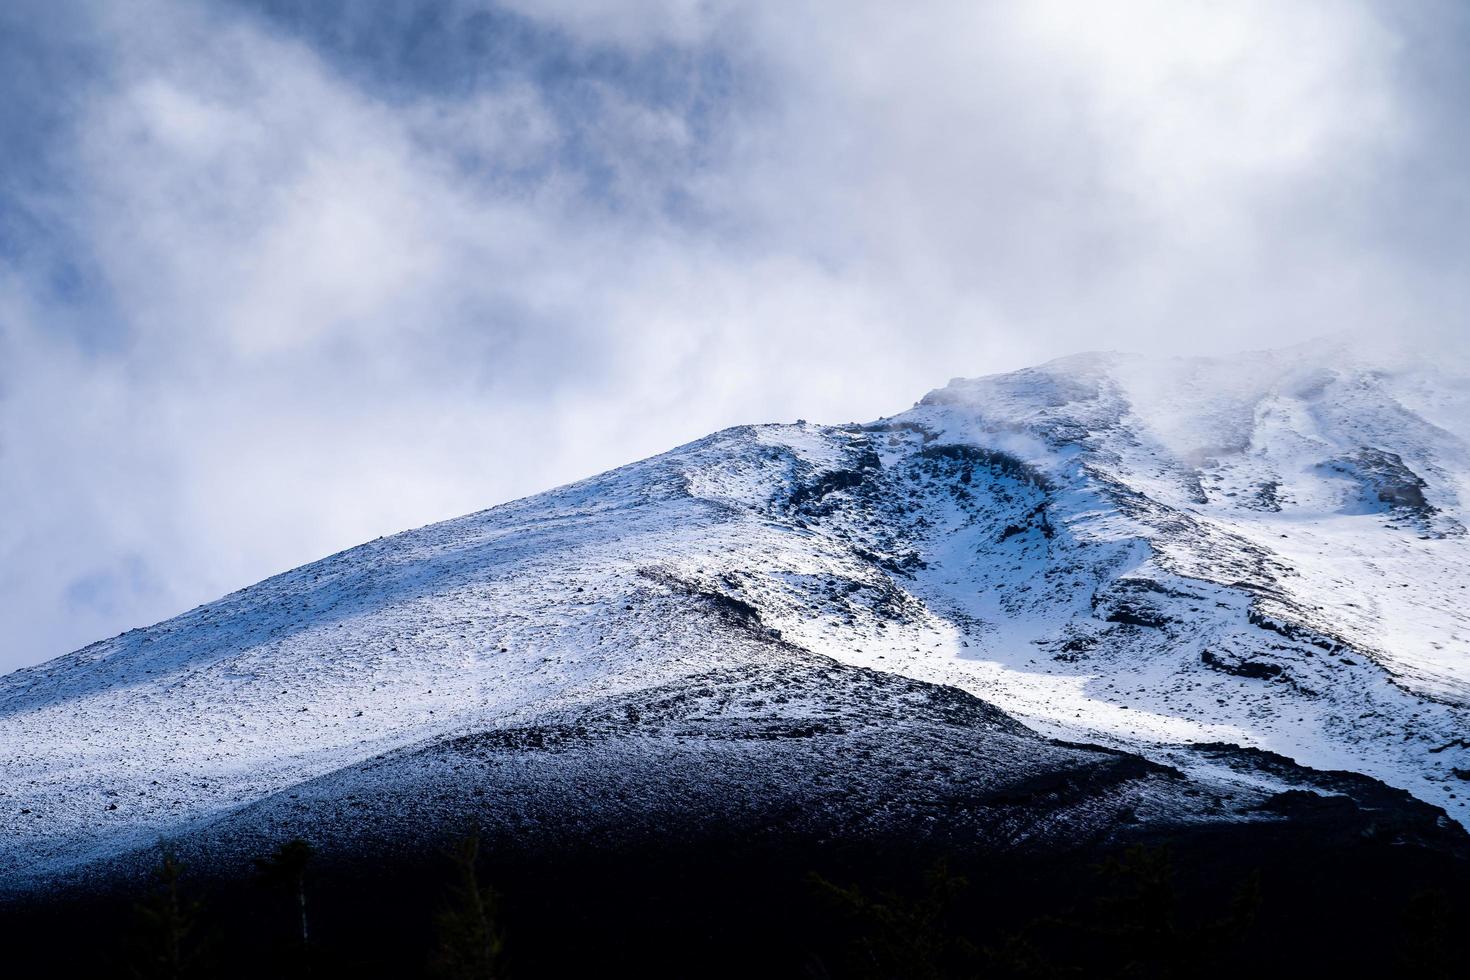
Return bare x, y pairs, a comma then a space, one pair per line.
1147, 554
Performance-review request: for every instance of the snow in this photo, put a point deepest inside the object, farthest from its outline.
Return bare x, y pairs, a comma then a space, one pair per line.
1132, 551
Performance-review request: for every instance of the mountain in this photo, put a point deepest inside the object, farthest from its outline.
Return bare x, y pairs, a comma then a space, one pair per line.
1109, 597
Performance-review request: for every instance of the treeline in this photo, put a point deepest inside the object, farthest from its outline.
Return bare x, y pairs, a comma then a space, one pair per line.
1132, 923
727, 909
173, 935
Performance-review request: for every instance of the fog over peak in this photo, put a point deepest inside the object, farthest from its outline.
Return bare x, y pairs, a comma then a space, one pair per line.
277, 278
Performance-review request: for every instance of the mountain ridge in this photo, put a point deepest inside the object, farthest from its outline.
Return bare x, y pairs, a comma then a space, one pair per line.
1136, 553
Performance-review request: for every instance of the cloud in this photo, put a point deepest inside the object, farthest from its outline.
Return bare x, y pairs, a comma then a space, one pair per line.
278, 278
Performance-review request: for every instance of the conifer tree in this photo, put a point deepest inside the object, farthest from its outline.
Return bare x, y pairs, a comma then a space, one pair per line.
166, 926
286, 869
470, 943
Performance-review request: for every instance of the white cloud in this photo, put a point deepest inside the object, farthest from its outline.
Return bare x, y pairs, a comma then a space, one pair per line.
333, 312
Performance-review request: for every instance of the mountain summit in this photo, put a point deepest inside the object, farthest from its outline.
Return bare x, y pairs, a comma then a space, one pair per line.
1107, 594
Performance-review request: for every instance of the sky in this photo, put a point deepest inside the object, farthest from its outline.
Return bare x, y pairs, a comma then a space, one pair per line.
277, 277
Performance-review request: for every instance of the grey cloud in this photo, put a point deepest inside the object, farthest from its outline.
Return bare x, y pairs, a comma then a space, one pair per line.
278, 278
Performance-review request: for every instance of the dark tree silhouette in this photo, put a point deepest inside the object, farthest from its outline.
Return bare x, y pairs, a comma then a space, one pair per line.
1134, 924
166, 935
902, 936
286, 869
1140, 917
1426, 946
470, 944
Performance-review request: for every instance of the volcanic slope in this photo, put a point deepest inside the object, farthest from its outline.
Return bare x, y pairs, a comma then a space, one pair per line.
1143, 554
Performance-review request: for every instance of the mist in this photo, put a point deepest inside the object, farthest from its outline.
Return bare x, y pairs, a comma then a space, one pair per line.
279, 278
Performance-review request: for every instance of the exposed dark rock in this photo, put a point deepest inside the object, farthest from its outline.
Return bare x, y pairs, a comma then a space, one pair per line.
993, 459
1262, 670
1266, 496
1386, 480
826, 484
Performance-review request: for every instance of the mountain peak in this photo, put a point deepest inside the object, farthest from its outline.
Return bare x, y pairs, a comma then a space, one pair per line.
1142, 553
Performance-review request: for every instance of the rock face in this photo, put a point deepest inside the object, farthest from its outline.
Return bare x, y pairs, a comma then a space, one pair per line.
1006, 619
